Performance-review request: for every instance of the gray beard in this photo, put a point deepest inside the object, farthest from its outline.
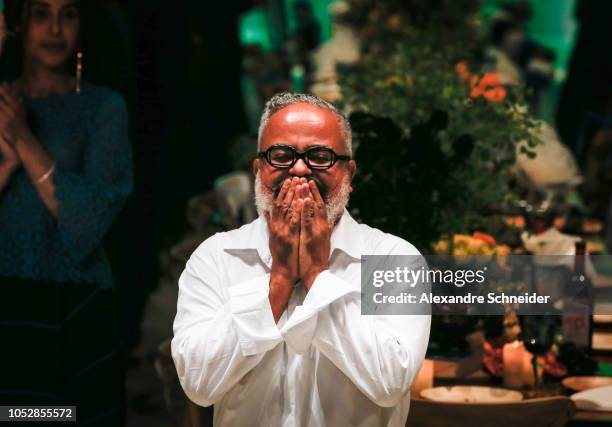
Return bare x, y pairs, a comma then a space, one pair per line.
334, 203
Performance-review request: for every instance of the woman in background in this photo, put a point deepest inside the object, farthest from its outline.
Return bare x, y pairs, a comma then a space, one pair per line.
65, 171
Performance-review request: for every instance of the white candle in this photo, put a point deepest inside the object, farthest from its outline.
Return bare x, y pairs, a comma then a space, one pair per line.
513, 364
424, 378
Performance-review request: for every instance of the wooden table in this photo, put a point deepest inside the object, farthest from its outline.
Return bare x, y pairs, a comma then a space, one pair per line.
444, 375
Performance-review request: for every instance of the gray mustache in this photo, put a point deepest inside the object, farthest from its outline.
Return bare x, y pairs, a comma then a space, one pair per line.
320, 186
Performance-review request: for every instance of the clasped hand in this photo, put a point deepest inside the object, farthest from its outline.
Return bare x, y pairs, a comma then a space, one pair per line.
299, 232
13, 126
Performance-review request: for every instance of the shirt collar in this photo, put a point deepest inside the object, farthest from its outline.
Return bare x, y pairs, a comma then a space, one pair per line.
346, 237
255, 240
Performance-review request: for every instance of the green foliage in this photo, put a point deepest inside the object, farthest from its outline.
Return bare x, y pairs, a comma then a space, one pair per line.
397, 189
405, 75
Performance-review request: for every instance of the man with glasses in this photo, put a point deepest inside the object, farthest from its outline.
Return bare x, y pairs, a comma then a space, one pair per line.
269, 326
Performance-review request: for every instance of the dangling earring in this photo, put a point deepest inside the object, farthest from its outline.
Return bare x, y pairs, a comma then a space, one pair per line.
79, 71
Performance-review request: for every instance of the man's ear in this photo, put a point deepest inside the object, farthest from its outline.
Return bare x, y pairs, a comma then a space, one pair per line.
352, 168
255, 166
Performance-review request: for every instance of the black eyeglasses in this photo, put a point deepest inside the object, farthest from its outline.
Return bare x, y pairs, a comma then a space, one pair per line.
284, 156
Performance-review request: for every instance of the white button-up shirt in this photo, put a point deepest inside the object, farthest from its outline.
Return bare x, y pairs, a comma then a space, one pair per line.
323, 364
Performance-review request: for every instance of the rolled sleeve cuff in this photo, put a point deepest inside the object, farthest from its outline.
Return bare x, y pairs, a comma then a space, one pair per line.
252, 316
299, 330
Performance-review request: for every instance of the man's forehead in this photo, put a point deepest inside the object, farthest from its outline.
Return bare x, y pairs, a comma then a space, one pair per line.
303, 119
302, 112
314, 116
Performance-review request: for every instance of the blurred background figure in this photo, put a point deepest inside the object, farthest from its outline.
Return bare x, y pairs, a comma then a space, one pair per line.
307, 35
66, 171
308, 31
588, 87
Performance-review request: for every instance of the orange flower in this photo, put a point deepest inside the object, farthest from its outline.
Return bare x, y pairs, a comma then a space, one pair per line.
489, 79
515, 221
490, 87
487, 238
476, 92
473, 80
497, 94
462, 70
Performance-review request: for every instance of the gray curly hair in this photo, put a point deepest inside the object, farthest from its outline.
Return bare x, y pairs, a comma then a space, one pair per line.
284, 99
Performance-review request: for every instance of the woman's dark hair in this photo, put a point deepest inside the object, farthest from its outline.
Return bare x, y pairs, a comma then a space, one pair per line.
105, 48
11, 59
12, 53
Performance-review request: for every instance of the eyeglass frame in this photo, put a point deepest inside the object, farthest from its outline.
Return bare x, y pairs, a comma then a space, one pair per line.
302, 155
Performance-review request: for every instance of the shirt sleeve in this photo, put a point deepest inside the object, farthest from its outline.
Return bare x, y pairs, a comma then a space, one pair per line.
381, 354
219, 336
90, 199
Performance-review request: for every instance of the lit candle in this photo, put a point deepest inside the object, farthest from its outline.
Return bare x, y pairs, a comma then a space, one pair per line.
513, 364
424, 378
528, 377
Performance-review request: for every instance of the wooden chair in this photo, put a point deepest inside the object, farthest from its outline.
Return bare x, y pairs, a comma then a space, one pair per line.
542, 412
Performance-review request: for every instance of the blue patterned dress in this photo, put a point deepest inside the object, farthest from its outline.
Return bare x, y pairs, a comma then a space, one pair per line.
59, 309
